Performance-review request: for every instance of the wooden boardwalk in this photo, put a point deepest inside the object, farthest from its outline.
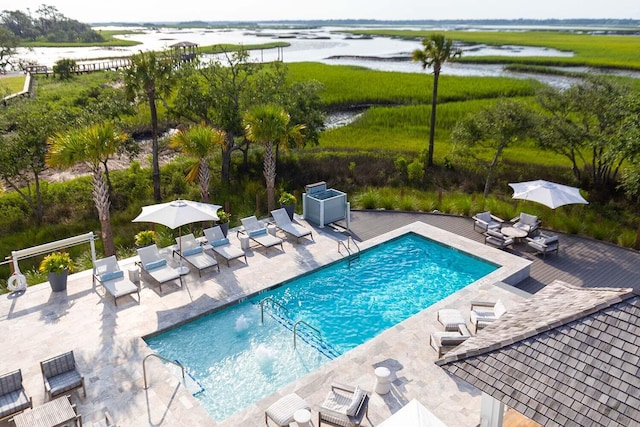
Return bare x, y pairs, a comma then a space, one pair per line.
581, 261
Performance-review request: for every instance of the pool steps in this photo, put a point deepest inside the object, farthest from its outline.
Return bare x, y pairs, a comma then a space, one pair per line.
308, 334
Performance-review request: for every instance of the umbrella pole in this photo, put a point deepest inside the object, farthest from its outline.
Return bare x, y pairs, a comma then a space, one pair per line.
182, 269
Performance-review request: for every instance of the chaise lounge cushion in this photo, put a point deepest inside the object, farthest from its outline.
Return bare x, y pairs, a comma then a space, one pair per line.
282, 411
111, 275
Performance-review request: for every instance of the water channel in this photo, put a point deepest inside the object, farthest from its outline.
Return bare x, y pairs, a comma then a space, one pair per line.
329, 45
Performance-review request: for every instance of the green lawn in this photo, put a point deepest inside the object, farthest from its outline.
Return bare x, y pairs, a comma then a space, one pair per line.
12, 84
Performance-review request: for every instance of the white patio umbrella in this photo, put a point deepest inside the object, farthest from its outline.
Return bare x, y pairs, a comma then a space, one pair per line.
547, 193
177, 213
413, 414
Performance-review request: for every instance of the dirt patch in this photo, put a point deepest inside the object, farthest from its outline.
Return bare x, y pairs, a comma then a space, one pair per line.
117, 162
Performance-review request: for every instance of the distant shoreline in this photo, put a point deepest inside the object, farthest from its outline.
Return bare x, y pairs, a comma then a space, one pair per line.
604, 22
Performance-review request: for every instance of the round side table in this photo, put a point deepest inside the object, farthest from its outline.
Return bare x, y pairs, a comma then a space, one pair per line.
302, 417
383, 380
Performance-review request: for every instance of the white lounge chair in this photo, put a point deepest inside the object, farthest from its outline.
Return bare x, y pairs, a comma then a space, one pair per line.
258, 233
284, 223
156, 266
485, 221
485, 313
191, 251
107, 272
544, 244
221, 245
526, 222
344, 406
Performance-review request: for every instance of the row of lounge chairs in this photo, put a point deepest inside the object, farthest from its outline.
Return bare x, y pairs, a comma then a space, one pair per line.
60, 376
108, 274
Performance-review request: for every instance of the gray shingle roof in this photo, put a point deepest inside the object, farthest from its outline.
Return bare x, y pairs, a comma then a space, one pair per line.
568, 356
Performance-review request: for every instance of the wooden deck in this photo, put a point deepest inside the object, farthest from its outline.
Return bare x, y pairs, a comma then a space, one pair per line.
580, 261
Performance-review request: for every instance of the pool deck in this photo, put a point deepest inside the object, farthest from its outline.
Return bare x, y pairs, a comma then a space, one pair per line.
109, 350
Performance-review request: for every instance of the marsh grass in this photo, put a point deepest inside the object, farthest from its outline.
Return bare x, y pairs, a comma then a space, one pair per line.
611, 51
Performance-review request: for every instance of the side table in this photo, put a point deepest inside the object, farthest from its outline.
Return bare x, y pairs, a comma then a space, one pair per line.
383, 380
302, 417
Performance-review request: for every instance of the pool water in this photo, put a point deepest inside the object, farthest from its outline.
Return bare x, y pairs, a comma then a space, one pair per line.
238, 359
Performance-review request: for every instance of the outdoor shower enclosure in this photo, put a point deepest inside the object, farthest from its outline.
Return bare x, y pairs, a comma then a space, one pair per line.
322, 205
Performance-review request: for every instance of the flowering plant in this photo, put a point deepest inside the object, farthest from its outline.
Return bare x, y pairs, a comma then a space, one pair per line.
56, 262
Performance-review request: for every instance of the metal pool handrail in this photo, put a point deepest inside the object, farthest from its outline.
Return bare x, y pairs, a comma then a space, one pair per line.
274, 302
295, 327
164, 359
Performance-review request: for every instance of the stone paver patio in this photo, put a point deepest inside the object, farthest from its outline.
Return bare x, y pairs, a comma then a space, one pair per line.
109, 349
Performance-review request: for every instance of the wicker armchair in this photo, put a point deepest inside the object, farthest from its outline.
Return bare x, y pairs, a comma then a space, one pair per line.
13, 398
61, 376
344, 406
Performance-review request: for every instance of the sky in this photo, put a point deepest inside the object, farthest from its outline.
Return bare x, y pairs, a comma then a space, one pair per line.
265, 10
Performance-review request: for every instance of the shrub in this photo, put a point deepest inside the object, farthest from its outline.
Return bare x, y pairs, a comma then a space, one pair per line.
415, 170
63, 68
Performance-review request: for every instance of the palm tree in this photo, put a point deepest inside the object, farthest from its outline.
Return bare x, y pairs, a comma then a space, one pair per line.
151, 76
91, 145
437, 50
199, 141
269, 125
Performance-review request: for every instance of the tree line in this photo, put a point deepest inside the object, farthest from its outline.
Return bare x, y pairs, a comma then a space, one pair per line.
222, 106
46, 24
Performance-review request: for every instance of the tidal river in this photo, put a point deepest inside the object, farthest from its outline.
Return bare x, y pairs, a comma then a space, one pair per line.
330, 45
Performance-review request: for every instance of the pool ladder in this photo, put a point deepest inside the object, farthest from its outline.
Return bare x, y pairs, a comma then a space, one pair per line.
352, 253
316, 341
274, 303
144, 367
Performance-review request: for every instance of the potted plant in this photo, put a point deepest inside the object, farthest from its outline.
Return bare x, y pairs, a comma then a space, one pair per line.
145, 238
223, 221
288, 202
57, 265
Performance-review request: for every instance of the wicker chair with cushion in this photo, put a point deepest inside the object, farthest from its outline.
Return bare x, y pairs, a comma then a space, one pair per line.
442, 342
344, 406
528, 223
497, 239
13, 398
484, 221
544, 244
485, 313
61, 375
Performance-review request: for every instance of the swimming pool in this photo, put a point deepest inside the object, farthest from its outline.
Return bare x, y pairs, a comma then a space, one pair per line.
238, 359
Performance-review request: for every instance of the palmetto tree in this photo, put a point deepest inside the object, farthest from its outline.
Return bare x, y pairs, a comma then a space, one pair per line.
270, 125
152, 77
201, 142
437, 50
91, 145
